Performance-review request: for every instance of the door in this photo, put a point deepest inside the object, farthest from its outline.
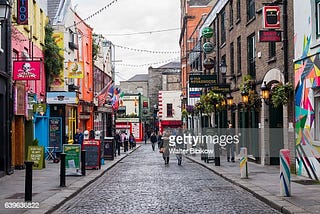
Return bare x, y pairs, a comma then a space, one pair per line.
275, 133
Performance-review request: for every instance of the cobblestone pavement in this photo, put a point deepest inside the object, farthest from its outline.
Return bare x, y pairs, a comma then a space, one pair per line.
141, 183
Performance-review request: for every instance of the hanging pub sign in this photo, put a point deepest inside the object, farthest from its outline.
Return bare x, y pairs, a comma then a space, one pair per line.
208, 47
26, 70
75, 69
207, 32
271, 17
22, 12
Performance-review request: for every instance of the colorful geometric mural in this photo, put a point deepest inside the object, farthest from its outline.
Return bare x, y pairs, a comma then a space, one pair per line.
307, 78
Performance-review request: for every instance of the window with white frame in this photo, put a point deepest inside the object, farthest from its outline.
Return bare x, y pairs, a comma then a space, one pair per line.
317, 18
316, 130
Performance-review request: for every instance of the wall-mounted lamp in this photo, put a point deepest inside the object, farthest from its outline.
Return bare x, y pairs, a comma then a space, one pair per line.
223, 67
265, 92
245, 97
229, 99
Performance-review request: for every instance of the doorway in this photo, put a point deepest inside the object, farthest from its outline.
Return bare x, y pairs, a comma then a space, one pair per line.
275, 133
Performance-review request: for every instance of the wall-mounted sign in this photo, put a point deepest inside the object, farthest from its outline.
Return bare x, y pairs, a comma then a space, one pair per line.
20, 101
75, 69
202, 81
39, 108
221, 88
26, 70
195, 94
269, 36
207, 32
208, 47
22, 12
62, 98
271, 17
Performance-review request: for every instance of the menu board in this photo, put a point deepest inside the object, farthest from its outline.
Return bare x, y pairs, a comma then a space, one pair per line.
92, 154
73, 152
55, 132
36, 154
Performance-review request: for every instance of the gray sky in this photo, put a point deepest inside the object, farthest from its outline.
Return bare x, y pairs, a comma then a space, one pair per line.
132, 16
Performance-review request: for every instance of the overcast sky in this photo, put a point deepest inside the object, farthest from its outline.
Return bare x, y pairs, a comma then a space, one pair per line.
133, 16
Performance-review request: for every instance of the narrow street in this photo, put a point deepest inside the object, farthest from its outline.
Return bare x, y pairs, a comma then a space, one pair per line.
141, 183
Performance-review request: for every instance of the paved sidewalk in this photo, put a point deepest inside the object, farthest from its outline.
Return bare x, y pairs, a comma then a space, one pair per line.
46, 188
264, 183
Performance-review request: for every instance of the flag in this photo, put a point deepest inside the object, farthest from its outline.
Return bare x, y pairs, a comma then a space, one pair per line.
103, 94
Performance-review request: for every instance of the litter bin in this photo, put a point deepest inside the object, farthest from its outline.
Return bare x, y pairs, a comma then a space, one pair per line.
108, 148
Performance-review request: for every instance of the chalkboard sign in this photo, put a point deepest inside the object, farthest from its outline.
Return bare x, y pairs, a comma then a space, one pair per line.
36, 154
92, 154
108, 148
55, 132
73, 152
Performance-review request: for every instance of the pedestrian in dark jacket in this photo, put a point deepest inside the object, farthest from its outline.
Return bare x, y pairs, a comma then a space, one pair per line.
153, 140
132, 140
78, 137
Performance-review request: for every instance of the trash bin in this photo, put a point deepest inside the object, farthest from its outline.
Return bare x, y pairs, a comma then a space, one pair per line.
108, 148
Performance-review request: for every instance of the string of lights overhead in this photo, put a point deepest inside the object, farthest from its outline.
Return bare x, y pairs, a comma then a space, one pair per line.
147, 64
148, 51
94, 14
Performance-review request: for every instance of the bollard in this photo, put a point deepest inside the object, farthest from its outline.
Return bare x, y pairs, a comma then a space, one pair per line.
243, 162
28, 183
63, 170
216, 155
83, 162
285, 176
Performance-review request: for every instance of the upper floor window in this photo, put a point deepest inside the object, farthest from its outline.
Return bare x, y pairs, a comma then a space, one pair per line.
238, 10
231, 58
239, 55
223, 27
169, 110
231, 14
250, 9
251, 55
318, 18
272, 49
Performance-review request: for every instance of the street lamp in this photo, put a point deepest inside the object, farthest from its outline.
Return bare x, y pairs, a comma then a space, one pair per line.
4, 10
223, 67
229, 99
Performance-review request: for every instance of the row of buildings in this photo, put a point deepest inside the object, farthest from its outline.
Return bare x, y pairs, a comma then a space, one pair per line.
56, 75
247, 48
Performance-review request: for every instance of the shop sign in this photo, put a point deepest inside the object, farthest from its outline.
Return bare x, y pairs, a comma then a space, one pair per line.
62, 98
22, 12
202, 81
26, 70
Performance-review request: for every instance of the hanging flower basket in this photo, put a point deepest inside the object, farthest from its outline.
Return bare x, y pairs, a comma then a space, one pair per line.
280, 94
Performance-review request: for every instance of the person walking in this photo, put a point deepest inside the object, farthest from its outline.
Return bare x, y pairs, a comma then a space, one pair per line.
164, 148
230, 147
179, 147
145, 137
117, 139
132, 140
159, 140
153, 140
78, 137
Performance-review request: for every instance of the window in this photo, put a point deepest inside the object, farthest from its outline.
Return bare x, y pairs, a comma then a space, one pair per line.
231, 14
272, 49
250, 9
238, 10
251, 55
223, 27
231, 58
169, 110
316, 134
239, 55
318, 18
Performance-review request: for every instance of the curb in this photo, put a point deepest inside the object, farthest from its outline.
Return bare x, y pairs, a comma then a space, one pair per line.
276, 202
55, 207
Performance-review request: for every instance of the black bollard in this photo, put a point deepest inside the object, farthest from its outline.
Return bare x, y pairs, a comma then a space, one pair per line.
83, 162
216, 155
28, 183
63, 170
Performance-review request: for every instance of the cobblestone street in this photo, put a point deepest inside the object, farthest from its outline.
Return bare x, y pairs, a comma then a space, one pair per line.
142, 183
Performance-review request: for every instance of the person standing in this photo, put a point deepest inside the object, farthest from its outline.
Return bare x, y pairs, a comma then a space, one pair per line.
153, 140
159, 140
78, 137
118, 142
230, 147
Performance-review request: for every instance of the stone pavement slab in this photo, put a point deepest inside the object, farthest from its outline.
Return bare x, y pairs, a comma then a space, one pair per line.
46, 191
264, 183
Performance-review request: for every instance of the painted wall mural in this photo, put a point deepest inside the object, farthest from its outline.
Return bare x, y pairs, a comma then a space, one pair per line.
307, 78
